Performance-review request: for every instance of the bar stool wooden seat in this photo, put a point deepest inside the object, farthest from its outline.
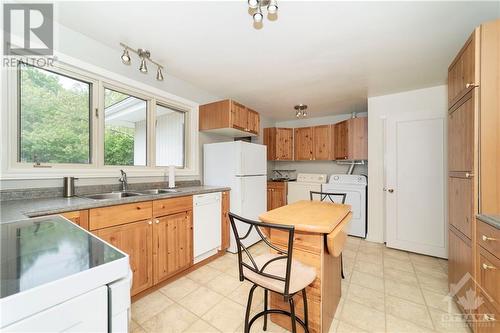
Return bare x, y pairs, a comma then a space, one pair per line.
274, 272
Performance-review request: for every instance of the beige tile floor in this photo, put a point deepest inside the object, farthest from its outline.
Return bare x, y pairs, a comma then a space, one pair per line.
384, 290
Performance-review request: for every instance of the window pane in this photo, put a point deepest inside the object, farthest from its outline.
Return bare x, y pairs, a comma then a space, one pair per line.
54, 117
125, 129
169, 136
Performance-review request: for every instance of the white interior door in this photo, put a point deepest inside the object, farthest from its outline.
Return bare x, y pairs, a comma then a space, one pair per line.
416, 183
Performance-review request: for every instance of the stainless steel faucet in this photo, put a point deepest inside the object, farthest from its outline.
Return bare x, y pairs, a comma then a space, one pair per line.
123, 180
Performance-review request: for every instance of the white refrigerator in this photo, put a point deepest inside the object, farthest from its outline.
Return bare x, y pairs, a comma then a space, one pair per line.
242, 166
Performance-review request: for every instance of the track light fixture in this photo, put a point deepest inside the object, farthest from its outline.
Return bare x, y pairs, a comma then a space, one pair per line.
144, 56
300, 110
256, 9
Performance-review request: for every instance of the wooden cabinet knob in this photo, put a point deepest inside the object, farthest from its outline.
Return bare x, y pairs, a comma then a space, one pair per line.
138, 208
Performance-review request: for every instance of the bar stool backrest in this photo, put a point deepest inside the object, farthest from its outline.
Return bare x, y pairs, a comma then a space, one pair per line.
284, 254
331, 196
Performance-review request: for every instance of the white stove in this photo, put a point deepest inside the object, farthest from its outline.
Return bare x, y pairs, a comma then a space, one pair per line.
306, 182
355, 188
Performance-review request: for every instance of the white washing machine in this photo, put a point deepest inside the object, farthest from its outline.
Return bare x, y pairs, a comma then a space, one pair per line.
306, 182
355, 187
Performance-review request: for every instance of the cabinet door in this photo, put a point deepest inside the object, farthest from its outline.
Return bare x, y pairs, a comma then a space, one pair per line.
270, 135
79, 217
226, 224
461, 73
459, 262
341, 141
284, 144
461, 203
172, 244
135, 239
357, 138
322, 142
239, 116
303, 143
461, 137
253, 121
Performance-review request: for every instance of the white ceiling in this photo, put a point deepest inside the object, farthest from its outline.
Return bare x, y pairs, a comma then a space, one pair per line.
329, 55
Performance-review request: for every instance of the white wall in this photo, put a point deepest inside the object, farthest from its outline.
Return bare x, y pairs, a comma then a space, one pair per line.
380, 107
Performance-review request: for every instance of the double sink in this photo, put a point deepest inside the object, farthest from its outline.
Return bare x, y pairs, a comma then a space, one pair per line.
127, 194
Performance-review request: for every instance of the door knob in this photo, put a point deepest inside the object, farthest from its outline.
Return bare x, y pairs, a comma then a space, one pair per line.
390, 190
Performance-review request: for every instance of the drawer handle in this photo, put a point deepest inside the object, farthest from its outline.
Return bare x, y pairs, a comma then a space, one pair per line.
488, 317
471, 85
487, 239
486, 266
469, 175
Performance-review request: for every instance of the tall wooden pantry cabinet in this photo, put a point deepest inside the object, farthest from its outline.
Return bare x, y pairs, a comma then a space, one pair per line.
473, 157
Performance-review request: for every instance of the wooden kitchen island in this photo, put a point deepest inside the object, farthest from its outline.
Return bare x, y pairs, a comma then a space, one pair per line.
320, 234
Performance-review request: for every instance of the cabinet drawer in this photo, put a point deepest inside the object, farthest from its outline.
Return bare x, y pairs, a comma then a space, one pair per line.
488, 237
110, 216
171, 206
304, 241
487, 317
489, 274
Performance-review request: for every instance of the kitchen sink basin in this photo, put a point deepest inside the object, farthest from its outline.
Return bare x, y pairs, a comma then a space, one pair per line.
160, 191
112, 195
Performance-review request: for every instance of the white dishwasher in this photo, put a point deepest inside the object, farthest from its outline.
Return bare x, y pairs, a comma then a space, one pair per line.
207, 221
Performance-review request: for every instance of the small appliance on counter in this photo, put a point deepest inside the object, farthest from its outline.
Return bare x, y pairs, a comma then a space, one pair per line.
69, 187
284, 175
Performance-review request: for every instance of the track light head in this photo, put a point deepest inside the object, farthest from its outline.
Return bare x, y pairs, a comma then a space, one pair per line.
159, 74
143, 67
126, 57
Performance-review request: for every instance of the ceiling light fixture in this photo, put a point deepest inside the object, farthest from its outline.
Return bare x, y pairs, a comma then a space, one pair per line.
144, 56
256, 9
300, 110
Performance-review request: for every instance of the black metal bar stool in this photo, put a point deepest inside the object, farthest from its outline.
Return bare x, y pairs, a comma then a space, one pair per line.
274, 272
331, 195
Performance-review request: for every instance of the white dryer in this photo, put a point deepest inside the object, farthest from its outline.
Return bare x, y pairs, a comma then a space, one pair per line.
306, 182
355, 187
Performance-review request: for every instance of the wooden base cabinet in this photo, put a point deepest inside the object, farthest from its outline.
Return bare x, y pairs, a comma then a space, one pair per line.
172, 245
460, 264
226, 224
276, 194
79, 217
135, 239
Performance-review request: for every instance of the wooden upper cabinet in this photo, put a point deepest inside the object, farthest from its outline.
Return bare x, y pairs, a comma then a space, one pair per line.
322, 142
229, 118
351, 139
279, 142
226, 225
135, 239
172, 245
303, 143
253, 121
461, 136
462, 74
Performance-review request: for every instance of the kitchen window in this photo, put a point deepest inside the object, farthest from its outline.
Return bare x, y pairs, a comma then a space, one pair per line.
54, 117
64, 120
125, 129
170, 136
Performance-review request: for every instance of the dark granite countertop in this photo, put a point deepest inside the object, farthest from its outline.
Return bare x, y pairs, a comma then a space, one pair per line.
493, 220
20, 209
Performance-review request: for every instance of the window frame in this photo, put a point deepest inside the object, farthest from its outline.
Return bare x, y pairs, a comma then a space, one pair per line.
11, 168
185, 143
